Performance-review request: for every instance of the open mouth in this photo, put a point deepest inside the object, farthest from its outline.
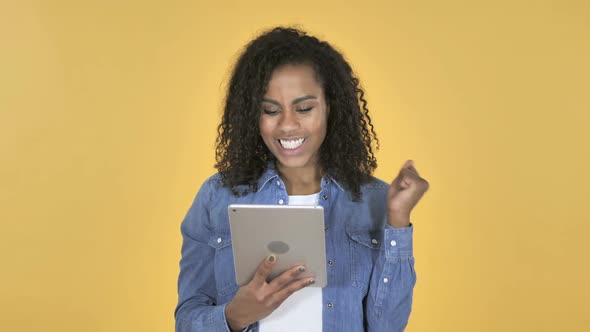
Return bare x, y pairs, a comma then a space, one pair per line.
291, 144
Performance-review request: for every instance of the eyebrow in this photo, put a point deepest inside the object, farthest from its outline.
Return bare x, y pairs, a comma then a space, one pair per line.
295, 101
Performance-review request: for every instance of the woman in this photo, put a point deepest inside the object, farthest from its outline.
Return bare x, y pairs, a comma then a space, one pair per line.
294, 132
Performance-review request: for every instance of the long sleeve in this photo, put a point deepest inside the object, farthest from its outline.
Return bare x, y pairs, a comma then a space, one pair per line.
389, 300
197, 308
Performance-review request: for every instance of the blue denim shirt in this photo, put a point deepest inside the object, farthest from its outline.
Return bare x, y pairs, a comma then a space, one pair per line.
370, 281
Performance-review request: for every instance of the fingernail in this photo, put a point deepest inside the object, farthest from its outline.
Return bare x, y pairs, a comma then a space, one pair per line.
271, 258
301, 269
311, 282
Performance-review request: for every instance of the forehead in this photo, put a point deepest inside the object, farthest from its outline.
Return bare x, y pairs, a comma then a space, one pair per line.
289, 77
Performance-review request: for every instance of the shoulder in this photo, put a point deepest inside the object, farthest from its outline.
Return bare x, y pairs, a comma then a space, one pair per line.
209, 189
213, 182
374, 186
209, 194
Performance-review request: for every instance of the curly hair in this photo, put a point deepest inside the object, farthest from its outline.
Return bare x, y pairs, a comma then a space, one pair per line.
346, 153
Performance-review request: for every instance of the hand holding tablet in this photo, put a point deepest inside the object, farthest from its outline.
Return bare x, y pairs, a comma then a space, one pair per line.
259, 298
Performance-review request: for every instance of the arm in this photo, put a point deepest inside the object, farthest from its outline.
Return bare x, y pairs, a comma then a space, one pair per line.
197, 308
389, 300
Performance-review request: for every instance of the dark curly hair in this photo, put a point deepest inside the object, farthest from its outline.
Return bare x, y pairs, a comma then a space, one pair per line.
346, 153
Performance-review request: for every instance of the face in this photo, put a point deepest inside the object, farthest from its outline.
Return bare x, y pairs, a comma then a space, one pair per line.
294, 116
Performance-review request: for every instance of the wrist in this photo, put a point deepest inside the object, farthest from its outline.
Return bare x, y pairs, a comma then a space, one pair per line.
398, 220
233, 324
400, 225
235, 327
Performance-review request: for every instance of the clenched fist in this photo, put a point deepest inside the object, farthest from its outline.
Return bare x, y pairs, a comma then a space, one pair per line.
403, 195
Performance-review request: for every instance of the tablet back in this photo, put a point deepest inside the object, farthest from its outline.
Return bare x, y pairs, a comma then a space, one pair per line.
294, 234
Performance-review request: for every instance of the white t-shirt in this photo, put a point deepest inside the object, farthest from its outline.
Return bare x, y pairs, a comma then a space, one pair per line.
301, 311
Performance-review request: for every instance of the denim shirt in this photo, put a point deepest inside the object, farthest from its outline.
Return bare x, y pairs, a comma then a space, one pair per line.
371, 273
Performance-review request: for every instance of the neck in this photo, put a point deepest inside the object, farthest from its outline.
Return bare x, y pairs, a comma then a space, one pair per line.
302, 180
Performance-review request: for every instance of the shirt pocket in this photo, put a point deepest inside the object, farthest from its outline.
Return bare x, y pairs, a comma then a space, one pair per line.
364, 249
225, 275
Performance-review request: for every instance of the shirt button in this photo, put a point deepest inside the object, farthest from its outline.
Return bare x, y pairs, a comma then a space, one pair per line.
330, 262
385, 280
218, 240
279, 183
374, 241
326, 228
393, 243
281, 201
325, 197
329, 304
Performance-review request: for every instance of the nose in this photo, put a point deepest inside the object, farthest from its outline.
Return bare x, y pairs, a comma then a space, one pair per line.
288, 121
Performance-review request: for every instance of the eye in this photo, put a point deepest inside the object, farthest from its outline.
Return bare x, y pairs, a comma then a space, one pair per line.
269, 112
304, 110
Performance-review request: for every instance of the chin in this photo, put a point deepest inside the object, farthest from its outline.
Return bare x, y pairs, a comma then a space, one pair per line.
294, 162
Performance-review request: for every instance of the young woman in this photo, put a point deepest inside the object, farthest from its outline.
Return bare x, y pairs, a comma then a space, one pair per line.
296, 130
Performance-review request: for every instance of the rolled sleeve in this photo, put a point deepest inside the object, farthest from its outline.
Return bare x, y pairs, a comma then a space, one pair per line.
398, 242
389, 300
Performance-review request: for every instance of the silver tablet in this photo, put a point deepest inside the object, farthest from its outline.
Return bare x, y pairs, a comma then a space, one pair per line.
295, 234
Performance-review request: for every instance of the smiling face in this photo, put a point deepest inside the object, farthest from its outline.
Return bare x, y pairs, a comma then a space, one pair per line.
294, 117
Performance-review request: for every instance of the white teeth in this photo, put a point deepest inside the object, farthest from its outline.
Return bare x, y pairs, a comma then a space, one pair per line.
291, 144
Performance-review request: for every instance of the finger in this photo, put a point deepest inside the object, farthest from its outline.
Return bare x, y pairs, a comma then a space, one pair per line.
280, 296
264, 269
407, 164
414, 170
396, 184
407, 167
405, 177
404, 180
286, 277
410, 178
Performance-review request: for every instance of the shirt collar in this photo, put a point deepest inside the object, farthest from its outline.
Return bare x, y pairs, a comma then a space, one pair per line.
271, 173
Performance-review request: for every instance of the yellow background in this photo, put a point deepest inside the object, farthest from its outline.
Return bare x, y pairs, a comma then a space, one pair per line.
107, 124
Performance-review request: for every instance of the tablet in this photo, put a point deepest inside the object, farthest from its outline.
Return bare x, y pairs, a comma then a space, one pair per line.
295, 234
